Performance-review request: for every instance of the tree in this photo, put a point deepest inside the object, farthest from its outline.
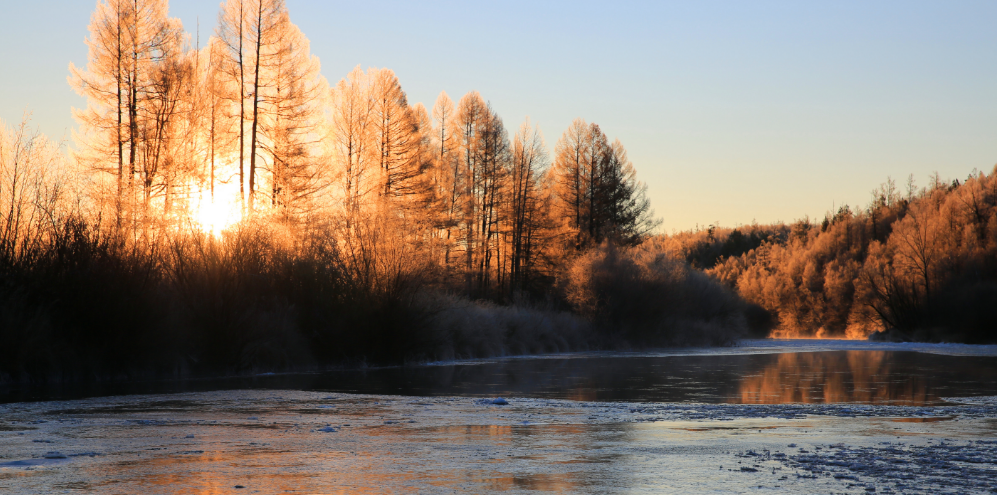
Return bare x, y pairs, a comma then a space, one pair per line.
483, 153
569, 179
625, 211
220, 114
128, 41
596, 191
279, 95
33, 182
231, 34
526, 201
471, 115
398, 136
491, 182
447, 178
248, 28
352, 131
171, 118
294, 97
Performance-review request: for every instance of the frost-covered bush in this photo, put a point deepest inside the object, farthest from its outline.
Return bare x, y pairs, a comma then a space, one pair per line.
646, 297
467, 329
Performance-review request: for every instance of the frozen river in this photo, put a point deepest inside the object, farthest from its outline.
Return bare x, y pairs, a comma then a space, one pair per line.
765, 417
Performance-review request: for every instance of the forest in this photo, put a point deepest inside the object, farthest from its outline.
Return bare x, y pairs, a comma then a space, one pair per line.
914, 264
225, 209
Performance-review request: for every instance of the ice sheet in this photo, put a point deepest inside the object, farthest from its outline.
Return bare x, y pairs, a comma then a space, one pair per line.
279, 441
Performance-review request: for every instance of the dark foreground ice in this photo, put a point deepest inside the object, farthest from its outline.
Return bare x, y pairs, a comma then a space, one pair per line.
276, 441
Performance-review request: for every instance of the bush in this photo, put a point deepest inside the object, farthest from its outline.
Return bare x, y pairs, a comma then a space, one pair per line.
642, 296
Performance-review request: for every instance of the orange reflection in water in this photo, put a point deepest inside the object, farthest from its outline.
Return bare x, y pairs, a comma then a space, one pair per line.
393, 459
849, 376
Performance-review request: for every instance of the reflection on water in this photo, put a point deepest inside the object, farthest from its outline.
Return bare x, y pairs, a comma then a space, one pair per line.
934, 419
868, 377
214, 443
489, 457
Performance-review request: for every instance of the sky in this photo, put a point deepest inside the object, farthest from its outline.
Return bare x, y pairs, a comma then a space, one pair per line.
732, 112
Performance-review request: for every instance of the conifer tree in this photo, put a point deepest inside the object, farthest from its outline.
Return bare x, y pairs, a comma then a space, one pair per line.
127, 43
526, 203
596, 191
278, 90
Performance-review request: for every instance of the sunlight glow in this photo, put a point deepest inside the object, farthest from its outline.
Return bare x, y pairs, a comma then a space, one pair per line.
216, 216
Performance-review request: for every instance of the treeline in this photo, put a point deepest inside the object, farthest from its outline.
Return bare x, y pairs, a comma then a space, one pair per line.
917, 263
249, 123
228, 210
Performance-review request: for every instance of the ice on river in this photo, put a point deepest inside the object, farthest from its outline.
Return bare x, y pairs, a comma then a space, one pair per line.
278, 441
764, 346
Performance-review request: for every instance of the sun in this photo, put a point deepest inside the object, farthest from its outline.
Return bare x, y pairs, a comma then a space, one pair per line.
217, 215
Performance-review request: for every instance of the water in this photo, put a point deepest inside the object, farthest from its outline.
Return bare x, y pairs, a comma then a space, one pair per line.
883, 377
767, 416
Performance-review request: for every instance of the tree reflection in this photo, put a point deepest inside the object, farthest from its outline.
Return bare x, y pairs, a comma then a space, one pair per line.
865, 377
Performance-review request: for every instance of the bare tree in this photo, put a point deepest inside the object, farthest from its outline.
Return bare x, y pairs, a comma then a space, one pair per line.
33, 183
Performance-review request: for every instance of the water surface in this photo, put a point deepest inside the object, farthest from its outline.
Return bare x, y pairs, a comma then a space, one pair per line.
835, 376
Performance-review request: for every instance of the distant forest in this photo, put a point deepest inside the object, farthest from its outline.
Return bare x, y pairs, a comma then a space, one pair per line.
915, 263
227, 210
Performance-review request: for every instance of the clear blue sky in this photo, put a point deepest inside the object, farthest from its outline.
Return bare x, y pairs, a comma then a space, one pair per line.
731, 111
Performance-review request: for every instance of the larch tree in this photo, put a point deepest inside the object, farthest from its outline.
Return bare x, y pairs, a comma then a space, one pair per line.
570, 176
420, 200
295, 98
279, 93
483, 155
398, 136
128, 41
447, 176
221, 116
526, 202
596, 190
352, 131
232, 60
490, 190
169, 120
598, 161
472, 114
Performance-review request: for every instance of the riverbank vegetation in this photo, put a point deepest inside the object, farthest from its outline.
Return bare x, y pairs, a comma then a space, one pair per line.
225, 209
915, 263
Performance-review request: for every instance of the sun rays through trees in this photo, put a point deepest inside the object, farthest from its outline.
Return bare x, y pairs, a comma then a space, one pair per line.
227, 208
